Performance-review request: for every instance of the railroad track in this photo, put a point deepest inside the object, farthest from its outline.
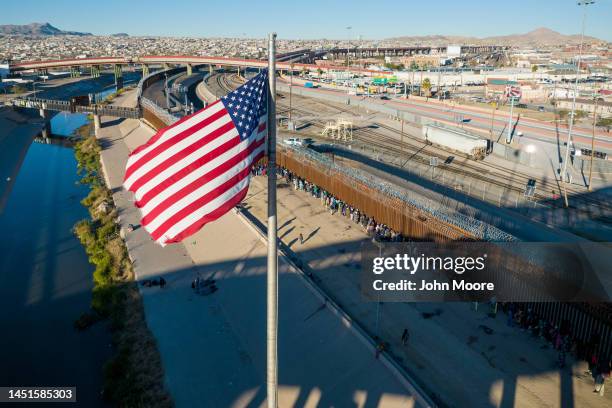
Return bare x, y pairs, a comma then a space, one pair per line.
420, 152
517, 176
483, 171
222, 83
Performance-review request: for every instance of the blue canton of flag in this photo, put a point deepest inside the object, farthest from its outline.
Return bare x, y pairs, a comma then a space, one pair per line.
247, 104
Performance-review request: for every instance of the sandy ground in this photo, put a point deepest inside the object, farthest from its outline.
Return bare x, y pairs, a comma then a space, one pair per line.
213, 347
450, 353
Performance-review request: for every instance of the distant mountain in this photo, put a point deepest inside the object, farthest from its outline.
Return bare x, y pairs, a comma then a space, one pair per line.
38, 29
120, 35
539, 36
542, 36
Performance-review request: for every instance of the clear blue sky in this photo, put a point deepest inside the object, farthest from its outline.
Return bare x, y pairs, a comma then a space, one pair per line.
311, 18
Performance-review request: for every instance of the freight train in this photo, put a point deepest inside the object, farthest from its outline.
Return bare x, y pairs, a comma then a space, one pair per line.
457, 140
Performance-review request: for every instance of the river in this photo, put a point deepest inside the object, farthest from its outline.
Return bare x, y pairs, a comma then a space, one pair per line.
45, 276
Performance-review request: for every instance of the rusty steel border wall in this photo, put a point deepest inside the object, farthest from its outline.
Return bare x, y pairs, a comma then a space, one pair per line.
415, 216
400, 216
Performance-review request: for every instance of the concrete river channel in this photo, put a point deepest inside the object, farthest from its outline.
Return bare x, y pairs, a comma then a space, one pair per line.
45, 276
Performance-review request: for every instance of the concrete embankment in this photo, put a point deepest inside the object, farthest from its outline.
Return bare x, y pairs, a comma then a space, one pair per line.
18, 132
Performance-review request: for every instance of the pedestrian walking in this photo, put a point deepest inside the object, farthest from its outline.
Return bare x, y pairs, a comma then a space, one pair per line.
301, 239
405, 336
603, 372
600, 384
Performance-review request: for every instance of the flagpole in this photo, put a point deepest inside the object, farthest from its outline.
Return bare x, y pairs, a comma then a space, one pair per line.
272, 329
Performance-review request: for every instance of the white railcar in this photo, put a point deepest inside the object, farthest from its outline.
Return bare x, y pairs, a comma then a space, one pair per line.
457, 140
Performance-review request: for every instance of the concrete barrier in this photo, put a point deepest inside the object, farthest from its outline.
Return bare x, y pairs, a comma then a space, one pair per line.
204, 93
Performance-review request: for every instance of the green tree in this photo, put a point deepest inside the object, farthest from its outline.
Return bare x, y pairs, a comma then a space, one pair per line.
605, 123
426, 85
563, 114
18, 89
319, 72
579, 114
414, 66
395, 67
534, 68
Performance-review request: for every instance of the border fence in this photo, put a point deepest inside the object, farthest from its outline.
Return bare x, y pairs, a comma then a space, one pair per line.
420, 217
410, 213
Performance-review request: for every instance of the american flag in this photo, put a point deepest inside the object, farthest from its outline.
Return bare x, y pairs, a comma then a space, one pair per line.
196, 170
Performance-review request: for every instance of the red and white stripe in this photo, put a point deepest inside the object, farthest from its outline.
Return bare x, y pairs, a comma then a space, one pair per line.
192, 172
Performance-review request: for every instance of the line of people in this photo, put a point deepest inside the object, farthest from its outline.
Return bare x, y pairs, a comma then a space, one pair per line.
563, 340
334, 205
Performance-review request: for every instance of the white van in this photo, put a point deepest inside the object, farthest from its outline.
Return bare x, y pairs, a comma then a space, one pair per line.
294, 141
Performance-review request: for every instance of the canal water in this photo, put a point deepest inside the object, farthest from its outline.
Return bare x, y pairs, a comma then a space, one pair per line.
45, 276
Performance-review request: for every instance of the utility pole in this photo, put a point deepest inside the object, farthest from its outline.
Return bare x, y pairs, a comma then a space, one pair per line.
593, 144
421, 83
492, 120
509, 135
348, 56
402, 134
439, 89
564, 177
290, 88
167, 92
272, 277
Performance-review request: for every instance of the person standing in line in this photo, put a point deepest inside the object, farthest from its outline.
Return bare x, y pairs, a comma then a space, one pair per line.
405, 336
301, 239
603, 371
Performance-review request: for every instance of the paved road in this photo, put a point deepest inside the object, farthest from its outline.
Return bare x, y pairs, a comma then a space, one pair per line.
213, 347
532, 129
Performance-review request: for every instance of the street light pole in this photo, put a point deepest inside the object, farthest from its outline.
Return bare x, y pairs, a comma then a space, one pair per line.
348, 45
593, 143
290, 88
564, 177
509, 135
492, 121
167, 92
439, 95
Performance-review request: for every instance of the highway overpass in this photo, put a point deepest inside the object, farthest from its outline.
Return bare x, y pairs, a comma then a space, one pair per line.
187, 60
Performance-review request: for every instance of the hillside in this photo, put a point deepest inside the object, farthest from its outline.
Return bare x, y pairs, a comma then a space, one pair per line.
36, 29
539, 36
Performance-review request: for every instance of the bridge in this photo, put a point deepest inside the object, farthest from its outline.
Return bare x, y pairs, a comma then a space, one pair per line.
302, 58
46, 105
68, 106
291, 61
305, 55
404, 51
